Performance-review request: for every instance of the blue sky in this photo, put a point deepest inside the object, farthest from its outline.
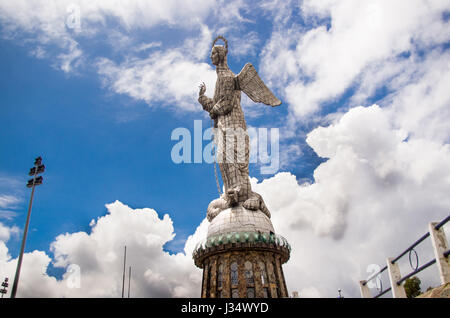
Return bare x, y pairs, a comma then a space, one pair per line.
99, 104
99, 147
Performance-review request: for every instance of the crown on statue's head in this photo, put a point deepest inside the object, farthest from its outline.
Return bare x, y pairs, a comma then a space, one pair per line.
220, 37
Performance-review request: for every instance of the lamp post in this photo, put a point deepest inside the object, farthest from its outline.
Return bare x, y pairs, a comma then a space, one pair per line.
5, 284
32, 183
124, 264
129, 282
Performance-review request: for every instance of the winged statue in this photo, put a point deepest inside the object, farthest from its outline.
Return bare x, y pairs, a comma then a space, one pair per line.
230, 130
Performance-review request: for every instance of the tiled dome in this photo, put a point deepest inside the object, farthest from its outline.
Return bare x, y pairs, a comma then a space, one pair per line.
239, 219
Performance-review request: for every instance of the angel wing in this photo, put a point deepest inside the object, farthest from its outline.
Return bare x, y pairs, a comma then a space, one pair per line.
251, 84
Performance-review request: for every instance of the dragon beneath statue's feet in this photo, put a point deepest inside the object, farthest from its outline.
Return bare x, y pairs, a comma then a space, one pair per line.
227, 200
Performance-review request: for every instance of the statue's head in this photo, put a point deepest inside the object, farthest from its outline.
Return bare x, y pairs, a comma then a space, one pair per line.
219, 52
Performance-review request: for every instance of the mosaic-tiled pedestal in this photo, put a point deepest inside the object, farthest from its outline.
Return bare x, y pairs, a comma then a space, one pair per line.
242, 257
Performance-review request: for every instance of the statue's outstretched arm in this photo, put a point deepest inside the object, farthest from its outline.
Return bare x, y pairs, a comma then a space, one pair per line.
206, 102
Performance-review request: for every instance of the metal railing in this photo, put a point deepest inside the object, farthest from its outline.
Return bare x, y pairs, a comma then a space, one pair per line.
391, 263
383, 292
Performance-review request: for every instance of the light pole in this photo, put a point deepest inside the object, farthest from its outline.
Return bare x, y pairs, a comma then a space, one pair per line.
129, 282
5, 284
124, 264
32, 183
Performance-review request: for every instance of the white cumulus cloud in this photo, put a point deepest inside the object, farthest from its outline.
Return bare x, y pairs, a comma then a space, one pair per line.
99, 257
370, 200
64, 22
164, 77
320, 64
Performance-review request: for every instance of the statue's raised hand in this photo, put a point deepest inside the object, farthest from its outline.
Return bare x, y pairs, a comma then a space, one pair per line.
202, 89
